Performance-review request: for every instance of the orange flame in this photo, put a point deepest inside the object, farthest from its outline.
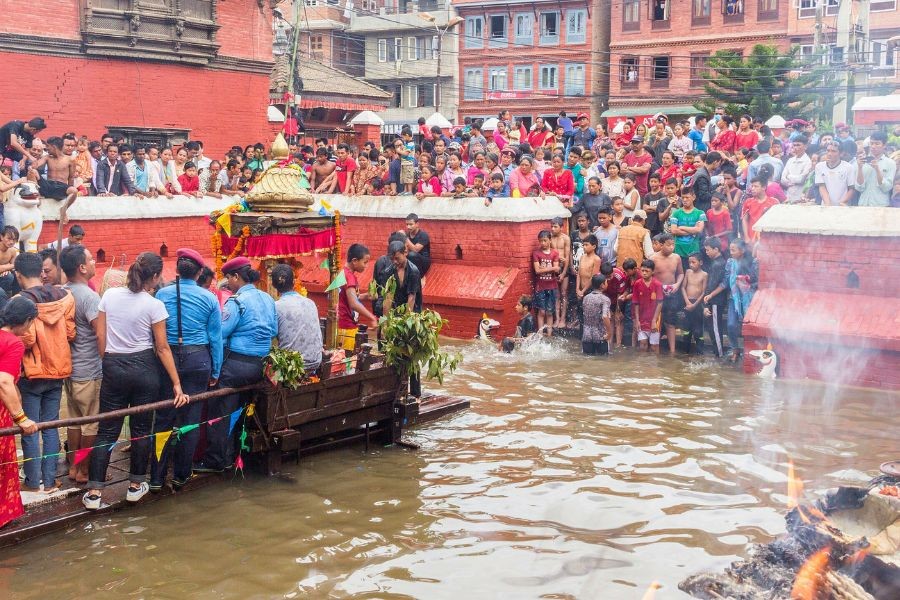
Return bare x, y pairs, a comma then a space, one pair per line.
795, 494
650, 594
811, 582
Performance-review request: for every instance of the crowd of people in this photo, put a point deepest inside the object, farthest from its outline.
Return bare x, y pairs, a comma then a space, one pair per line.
661, 240
152, 340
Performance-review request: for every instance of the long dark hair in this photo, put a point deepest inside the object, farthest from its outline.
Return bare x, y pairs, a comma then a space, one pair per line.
146, 266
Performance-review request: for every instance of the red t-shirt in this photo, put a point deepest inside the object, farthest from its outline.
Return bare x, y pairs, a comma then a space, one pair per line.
754, 209
11, 352
546, 281
188, 184
646, 298
633, 160
346, 318
615, 285
718, 225
344, 168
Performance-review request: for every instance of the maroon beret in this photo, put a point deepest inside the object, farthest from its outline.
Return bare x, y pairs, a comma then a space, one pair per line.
236, 264
191, 254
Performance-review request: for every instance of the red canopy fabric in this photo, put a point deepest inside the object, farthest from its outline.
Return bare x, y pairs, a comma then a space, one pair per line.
281, 245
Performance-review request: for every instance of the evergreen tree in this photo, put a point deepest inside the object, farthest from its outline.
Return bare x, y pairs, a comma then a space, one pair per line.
768, 82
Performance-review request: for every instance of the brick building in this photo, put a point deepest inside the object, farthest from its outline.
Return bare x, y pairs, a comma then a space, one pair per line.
165, 71
324, 35
533, 58
848, 47
658, 48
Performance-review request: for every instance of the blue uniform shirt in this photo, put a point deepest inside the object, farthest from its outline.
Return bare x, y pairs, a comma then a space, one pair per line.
201, 320
249, 322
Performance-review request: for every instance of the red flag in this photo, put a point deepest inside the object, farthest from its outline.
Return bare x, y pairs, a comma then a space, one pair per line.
81, 454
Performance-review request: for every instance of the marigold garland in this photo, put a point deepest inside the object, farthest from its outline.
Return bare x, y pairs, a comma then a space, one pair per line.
217, 247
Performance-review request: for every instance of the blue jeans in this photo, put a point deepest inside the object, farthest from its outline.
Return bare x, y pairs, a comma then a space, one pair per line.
40, 399
194, 370
237, 370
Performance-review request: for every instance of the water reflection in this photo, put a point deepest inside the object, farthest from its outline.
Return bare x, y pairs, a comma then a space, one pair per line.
569, 478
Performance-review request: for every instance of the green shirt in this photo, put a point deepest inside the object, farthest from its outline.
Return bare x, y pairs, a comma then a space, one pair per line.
690, 243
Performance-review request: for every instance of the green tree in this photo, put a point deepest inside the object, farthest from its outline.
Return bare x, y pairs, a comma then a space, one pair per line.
768, 82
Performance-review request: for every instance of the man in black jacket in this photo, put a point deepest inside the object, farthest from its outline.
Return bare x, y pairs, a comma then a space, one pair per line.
702, 181
112, 176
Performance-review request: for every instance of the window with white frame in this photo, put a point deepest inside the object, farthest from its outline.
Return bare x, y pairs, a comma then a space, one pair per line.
575, 79
412, 49
522, 78
497, 79
474, 32
420, 95
576, 26
389, 50
473, 84
883, 59
524, 28
549, 28
549, 78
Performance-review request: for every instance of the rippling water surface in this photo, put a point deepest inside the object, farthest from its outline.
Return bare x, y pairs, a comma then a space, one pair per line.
568, 478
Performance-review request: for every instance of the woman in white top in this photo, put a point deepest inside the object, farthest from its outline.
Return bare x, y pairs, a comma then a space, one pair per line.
170, 178
613, 185
131, 335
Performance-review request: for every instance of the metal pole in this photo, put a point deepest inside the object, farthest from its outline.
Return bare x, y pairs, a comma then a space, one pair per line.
437, 93
131, 410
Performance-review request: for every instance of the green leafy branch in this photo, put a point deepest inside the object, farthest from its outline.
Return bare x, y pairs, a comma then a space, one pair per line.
411, 343
285, 367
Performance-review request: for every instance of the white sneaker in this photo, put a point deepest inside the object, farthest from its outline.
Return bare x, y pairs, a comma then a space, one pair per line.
134, 495
91, 501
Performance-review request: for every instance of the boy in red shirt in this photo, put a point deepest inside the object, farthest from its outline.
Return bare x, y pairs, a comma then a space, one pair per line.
647, 296
350, 306
189, 181
616, 280
718, 219
755, 207
546, 268
344, 167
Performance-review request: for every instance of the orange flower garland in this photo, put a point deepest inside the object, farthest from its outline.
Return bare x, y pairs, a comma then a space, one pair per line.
217, 247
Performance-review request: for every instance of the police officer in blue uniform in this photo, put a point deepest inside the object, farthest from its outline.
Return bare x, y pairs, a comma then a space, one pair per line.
249, 322
194, 332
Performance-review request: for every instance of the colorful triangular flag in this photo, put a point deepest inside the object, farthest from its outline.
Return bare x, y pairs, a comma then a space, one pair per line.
325, 264
234, 419
338, 282
186, 429
161, 438
225, 222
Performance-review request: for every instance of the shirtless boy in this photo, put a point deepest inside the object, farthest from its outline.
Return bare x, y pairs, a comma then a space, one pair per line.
560, 242
581, 233
320, 171
588, 266
9, 239
669, 271
60, 172
692, 291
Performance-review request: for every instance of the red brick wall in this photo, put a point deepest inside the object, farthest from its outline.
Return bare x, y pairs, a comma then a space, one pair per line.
822, 263
87, 95
245, 29
131, 237
51, 19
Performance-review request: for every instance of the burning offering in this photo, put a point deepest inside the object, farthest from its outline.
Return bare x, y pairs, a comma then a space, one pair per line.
844, 546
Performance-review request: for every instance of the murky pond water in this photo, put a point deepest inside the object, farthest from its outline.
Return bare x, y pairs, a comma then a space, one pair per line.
568, 478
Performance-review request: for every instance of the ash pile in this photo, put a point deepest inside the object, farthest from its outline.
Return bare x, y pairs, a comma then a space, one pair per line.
845, 546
